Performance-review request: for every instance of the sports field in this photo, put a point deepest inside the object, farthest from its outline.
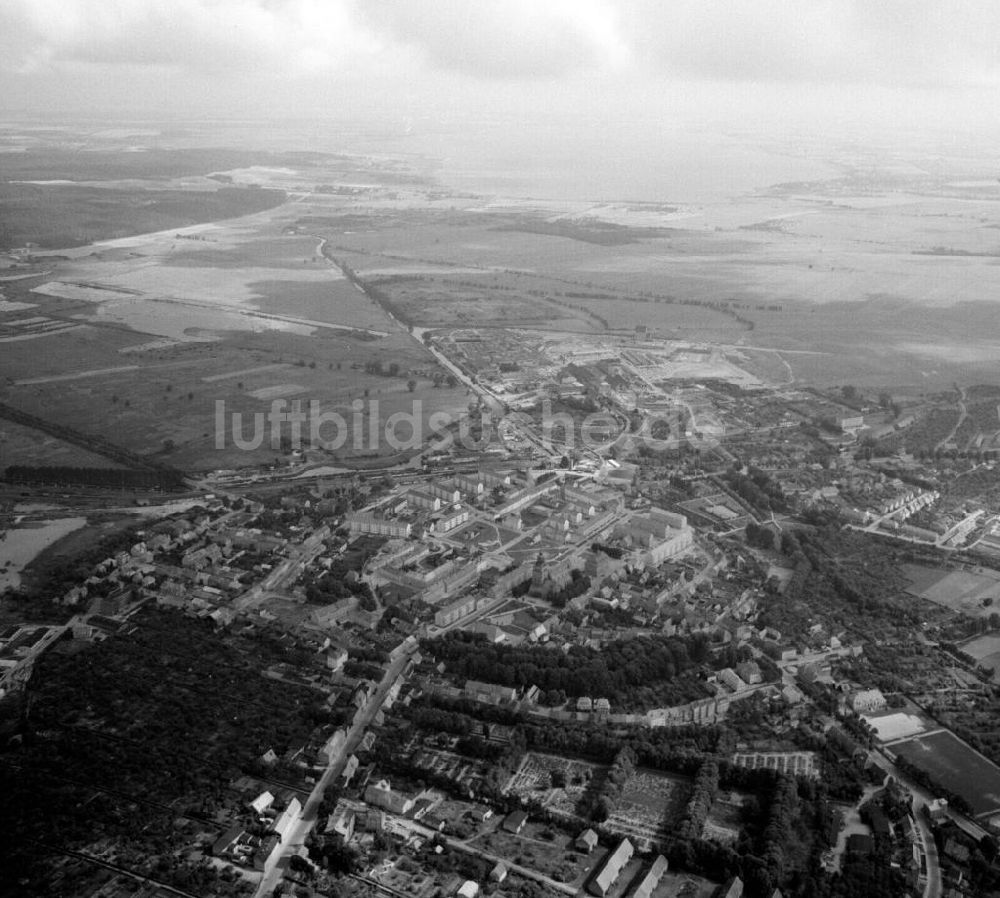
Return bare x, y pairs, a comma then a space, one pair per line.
957, 767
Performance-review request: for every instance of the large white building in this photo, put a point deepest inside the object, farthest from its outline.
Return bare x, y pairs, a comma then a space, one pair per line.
662, 534
611, 869
380, 795
450, 519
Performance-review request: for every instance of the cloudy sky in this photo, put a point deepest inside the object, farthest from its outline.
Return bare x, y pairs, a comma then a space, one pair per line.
933, 62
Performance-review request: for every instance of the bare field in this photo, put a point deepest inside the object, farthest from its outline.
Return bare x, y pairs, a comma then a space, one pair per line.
223, 286
897, 725
76, 350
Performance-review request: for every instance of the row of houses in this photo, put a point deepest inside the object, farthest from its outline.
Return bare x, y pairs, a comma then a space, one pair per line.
463, 607
370, 524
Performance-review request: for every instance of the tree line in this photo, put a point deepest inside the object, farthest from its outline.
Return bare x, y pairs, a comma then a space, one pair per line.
618, 671
104, 478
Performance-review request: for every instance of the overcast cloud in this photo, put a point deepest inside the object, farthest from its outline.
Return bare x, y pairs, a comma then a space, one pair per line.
243, 57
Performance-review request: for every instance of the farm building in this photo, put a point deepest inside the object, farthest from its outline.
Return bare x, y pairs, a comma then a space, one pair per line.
515, 821
611, 869
586, 841
647, 885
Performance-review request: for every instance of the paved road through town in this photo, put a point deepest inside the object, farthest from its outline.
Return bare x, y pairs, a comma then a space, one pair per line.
932, 884
299, 558
300, 828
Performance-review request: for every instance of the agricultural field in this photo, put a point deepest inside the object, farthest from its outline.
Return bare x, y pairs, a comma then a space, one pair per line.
250, 315
986, 650
801, 268
137, 337
956, 767
164, 402
66, 215
438, 303
963, 592
20, 442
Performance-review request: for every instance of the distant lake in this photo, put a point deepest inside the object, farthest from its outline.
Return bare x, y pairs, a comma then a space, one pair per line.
649, 163
20, 545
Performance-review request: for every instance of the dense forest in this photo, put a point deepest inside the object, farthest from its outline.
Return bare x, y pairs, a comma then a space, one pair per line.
133, 742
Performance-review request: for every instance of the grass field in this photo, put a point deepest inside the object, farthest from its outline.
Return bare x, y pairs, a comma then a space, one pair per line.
982, 647
960, 591
57, 216
88, 380
23, 443
986, 651
957, 767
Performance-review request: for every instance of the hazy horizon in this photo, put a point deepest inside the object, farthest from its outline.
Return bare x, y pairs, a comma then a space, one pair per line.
566, 85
